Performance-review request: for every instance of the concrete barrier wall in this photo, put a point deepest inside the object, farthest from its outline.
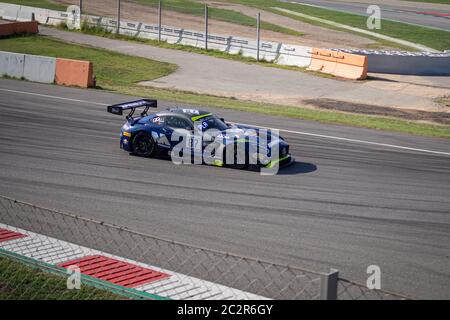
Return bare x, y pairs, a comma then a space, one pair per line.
351, 66
41, 15
47, 69
39, 69
15, 12
410, 63
340, 64
29, 67
9, 11
55, 18
109, 24
25, 13
130, 29
74, 73
294, 56
12, 64
431, 66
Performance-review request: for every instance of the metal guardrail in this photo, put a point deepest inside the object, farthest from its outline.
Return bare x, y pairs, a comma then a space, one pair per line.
221, 271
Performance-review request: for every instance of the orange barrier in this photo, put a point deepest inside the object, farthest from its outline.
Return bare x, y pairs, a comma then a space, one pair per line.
345, 65
74, 73
30, 27
8, 29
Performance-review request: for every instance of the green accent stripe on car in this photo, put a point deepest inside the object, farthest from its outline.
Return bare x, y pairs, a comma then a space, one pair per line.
217, 163
201, 116
271, 164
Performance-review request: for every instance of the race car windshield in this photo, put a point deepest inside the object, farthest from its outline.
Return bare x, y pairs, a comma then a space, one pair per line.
213, 123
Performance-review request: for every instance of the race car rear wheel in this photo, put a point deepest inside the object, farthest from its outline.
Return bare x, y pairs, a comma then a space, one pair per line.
144, 145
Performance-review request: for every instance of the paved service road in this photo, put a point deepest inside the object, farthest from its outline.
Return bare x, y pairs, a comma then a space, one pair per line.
345, 204
222, 77
410, 12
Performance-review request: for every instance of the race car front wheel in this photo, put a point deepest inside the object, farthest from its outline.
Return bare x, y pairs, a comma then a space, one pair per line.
143, 145
236, 162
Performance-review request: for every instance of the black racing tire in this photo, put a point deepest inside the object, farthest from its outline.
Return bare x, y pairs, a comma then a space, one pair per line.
234, 164
144, 145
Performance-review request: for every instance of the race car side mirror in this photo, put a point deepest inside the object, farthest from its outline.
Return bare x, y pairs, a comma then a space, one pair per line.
222, 119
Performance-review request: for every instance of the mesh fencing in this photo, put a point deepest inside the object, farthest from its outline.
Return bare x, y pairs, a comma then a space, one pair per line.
188, 14
220, 272
349, 290
49, 239
190, 21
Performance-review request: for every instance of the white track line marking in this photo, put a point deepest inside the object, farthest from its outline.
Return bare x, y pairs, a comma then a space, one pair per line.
54, 97
253, 125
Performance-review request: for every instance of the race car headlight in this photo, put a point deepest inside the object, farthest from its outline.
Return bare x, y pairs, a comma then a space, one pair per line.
127, 134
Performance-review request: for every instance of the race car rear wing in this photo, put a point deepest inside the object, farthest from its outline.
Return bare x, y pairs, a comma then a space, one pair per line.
118, 109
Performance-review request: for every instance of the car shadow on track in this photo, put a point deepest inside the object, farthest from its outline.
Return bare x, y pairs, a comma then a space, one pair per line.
295, 168
298, 168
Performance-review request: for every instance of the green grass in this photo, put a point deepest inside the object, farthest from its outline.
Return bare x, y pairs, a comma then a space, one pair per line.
436, 39
111, 69
38, 4
197, 9
108, 65
21, 282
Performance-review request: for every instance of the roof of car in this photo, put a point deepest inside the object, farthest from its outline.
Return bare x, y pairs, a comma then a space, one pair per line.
189, 112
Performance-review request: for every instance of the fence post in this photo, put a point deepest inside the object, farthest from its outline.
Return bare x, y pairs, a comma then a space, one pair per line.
81, 8
159, 19
329, 285
258, 34
118, 16
206, 26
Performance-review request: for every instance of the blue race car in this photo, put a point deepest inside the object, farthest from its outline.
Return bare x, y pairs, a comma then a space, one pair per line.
184, 133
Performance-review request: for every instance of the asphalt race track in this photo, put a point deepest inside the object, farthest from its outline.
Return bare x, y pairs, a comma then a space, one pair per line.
346, 204
404, 13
